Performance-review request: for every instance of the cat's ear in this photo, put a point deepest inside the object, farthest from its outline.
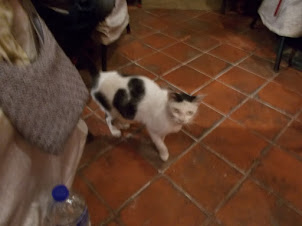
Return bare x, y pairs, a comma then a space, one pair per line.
173, 96
197, 100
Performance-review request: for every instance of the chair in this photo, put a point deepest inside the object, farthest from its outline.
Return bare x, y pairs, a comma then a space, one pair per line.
109, 30
284, 19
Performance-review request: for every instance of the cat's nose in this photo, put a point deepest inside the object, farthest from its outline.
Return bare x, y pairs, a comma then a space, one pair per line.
181, 120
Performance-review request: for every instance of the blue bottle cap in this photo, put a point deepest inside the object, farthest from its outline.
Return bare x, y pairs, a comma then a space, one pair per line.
60, 193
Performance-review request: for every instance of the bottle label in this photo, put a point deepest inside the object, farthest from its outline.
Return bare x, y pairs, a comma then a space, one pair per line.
84, 218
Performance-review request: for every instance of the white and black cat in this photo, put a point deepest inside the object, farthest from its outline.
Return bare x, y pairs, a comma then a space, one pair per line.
138, 98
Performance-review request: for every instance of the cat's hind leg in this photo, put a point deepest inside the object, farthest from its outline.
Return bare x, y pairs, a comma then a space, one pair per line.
114, 131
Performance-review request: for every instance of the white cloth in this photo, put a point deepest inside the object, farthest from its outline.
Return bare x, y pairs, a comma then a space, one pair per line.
27, 175
288, 20
114, 24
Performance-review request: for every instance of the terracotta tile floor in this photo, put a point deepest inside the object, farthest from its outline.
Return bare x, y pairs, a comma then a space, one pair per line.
239, 163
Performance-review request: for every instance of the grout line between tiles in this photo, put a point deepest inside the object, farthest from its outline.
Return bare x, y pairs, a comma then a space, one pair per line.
221, 73
136, 194
188, 196
234, 190
220, 156
99, 154
271, 191
177, 158
91, 187
189, 135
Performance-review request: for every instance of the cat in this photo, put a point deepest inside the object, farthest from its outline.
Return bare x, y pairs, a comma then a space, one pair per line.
140, 99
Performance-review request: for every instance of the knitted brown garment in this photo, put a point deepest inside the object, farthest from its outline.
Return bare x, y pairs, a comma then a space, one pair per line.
43, 100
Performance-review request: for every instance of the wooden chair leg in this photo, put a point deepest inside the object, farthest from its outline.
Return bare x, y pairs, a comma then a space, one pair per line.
279, 54
128, 29
104, 57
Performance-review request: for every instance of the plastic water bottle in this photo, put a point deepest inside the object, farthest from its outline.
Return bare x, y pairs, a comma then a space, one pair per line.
68, 209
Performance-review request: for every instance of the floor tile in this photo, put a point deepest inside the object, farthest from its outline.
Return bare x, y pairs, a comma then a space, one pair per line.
242, 80
124, 39
176, 18
97, 126
115, 61
158, 63
260, 118
265, 39
281, 172
100, 114
161, 204
155, 23
203, 121
134, 69
176, 143
97, 210
213, 181
221, 97
135, 50
95, 146
165, 85
86, 112
252, 205
209, 65
181, 52
178, 32
137, 14
291, 138
140, 31
158, 41
229, 53
92, 104
258, 66
159, 12
280, 97
201, 42
212, 17
235, 143
267, 53
240, 40
118, 174
291, 79
198, 25
186, 79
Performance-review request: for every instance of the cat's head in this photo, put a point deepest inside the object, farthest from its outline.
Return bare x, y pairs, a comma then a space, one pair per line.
183, 107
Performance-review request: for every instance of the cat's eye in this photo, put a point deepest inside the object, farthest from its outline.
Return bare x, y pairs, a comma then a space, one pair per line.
176, 111
190, 113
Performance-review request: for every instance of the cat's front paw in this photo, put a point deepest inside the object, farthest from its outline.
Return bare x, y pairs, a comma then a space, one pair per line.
116, 133
164, 156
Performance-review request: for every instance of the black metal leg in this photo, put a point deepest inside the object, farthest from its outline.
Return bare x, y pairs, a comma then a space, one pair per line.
291, 56
128, 29
223, 6
104, 57
279, 54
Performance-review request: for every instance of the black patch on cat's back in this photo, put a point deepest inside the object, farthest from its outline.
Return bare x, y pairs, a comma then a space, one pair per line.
136, 88
102, 100
127, 104
179, 97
